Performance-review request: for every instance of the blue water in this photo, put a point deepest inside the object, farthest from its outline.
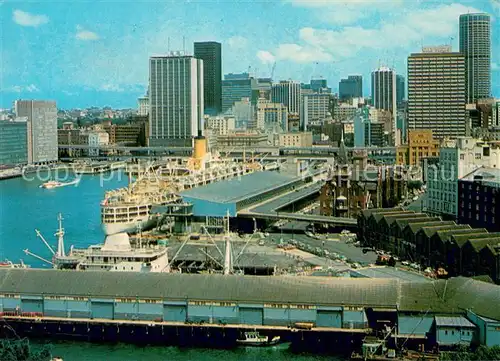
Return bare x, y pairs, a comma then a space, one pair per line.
25, 206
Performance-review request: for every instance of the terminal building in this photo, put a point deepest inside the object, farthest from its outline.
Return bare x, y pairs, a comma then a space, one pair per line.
443, 313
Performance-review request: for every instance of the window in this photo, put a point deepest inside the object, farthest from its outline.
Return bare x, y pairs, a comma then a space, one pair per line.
446, 332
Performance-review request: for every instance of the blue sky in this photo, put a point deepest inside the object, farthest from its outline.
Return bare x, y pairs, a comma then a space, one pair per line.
95, 53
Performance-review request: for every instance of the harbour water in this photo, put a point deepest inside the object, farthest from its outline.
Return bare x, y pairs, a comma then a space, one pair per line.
25, 206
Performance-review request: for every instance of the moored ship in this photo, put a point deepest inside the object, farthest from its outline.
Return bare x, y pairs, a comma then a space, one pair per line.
127, 209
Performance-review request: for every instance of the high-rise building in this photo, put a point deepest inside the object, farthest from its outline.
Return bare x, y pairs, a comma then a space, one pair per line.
13, 142
176, 99
288, 93
237, 86
143, 105
41, 129
384, 95
315, 108
211, 54
400, 89
352, 87
475, 45
271, 116
436, 91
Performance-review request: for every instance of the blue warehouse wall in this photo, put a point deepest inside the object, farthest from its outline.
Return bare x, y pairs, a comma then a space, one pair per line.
450, 336
10, 304
55, 308
329, 318
354, 319
488, 330
251, 315
32, 304
126, 310
198, 313
174, 312
225, 314
276, 316
415, 324
78, 309
202, 208
150, 311
302, 315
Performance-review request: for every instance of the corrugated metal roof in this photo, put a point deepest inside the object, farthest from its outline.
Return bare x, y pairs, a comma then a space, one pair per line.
415, 227
451, 296
391, 272
447, 321
233, 190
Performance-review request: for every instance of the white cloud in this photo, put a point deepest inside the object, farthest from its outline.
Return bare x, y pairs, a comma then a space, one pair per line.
266, 57
319, 45
83, 34
111, 88
31, 88
237, 42
27, 19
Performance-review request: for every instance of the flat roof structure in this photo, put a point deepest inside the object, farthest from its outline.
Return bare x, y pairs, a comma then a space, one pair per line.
389, 272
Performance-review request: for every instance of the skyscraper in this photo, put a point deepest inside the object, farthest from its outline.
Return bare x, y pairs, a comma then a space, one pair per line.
436, 91
176, 99
237, 86
41, 127
211, 54
287, 92
352, 87
384, 95
400, 89
475, 46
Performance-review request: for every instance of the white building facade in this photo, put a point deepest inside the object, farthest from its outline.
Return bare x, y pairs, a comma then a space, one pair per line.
175, 99
272, 116
456, 160
97, 138
221, 125
315, 109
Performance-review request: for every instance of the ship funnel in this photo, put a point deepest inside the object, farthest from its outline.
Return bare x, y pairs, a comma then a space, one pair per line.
200, 147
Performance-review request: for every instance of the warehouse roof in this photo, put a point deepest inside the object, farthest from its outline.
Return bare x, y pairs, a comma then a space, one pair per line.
451, 296
239, 188
389, 272
415, 227
402, 223
368, 212
461, 239
453, 321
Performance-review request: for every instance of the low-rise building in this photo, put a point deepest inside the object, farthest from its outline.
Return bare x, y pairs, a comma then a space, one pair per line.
453, 331
97, 139
242, 139
221, 124
295, 139
479, 198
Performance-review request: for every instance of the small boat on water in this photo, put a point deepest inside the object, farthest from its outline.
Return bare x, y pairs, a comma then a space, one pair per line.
257, 340
56, 184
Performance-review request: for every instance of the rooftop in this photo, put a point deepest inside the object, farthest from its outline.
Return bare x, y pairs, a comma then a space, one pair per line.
240, 188
453, 321
389, 272
485, 175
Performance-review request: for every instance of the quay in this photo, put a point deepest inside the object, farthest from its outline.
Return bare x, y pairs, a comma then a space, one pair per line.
212, 309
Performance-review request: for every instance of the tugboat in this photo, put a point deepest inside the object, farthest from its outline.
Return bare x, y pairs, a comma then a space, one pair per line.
55, 184
256, 340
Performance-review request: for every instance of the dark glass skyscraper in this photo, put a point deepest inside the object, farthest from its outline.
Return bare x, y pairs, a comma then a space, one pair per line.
400, 89
352, 87
211, 54
475, 44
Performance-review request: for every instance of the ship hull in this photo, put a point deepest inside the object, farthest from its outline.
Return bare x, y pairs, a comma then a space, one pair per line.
146, 223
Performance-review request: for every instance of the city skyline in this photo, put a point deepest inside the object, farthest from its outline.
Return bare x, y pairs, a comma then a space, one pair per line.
100, 57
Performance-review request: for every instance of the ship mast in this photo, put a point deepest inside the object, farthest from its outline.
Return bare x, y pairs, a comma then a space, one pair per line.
228, 266
60, 238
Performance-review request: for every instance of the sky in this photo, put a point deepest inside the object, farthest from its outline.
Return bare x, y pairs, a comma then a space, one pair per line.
95, 53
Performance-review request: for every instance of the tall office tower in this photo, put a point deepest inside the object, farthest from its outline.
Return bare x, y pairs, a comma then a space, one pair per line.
436, 91
211, 54
238, 86
176, 99
475, 46
41, 128
400, 89
384, 95
352, 87
287, 92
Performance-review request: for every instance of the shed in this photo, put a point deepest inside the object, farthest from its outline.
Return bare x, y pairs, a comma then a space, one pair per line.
453, 330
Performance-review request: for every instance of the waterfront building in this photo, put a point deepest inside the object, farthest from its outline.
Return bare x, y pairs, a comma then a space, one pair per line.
436, 91
235, 87
288, 93
272, 116
143, 105
315, 109
475, 45
479, 199
238, 139
13, 142
352, 87
221, 124
400, 89
456, 160
132, 134
384, 95
176, 99
295, 139
41, 129
211, 54
421, 144
97, 139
